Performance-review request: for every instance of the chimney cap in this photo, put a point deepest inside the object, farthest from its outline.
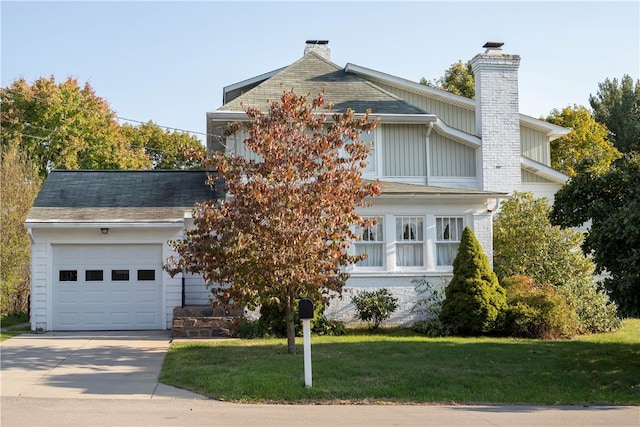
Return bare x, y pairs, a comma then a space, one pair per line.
493, 45
317, 41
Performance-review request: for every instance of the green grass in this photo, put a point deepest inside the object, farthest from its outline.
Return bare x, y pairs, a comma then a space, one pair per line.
9, 323
405, 367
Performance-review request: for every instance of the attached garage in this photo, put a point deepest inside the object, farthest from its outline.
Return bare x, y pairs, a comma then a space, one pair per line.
107, 287
99, 240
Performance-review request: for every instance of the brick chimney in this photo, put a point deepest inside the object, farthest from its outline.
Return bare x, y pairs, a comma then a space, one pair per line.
498, 118
321, 47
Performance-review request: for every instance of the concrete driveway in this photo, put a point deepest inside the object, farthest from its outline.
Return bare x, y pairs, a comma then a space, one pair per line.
100, 365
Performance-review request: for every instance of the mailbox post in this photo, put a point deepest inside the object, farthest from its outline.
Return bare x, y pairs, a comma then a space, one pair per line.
305, 312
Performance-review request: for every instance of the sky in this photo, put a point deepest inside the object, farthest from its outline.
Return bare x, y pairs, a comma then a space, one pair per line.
168, 61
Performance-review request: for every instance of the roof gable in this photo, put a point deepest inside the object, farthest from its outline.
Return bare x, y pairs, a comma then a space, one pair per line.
312, 74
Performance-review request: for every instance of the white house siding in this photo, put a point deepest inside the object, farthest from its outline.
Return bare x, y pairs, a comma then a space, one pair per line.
398, 280
534, 144
450, 158
45, 238
196, 293
404, 150
455, 116
542, 189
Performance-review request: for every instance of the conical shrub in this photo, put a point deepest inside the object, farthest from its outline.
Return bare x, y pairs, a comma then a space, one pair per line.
475, 302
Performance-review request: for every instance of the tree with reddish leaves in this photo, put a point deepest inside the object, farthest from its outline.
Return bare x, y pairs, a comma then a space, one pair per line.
285, 228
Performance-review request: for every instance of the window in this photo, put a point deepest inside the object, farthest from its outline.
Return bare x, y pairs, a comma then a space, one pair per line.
146, 275
409, 241
68, 275
449, 232
119, 275
371, 243
93, 276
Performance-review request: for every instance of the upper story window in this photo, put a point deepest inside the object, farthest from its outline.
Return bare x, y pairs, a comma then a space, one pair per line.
371, 243
448, 234
409, 241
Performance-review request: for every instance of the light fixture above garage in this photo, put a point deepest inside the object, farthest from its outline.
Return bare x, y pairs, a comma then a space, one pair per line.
104, 230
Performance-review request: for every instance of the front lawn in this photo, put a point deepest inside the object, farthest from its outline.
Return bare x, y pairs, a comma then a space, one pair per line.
409, 368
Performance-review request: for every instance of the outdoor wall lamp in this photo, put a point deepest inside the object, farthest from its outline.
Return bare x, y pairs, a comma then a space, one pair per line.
104, 230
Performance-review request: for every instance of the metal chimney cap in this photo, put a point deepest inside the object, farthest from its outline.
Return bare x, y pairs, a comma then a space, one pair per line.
493, 45
317, 41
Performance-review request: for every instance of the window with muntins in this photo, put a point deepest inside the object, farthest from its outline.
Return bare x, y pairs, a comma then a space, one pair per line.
448, 234
409, 241
371, 243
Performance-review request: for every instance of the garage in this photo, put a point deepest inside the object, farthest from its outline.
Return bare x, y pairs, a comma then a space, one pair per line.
107, 287
99, 240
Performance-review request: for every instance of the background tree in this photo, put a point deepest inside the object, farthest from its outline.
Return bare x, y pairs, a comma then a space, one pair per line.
166, 149
19, 186
474, 298
587, 141
285, 230
617, 106
611, 201
458, 79
525, 243
64, 126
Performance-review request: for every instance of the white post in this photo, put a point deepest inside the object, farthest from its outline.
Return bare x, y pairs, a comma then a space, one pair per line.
306, 331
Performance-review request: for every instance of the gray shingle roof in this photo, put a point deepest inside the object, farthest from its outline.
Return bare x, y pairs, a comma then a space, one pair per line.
118, 195
310, 75
123, 189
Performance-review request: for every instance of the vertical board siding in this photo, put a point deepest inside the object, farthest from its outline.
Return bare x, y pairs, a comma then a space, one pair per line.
531, 177
458, 117
449, 158
535, 145
235, 144
404, 152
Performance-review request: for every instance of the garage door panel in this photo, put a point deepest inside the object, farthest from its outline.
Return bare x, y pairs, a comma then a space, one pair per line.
107, 287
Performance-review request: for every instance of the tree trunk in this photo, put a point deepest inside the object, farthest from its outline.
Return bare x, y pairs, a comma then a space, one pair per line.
291, 328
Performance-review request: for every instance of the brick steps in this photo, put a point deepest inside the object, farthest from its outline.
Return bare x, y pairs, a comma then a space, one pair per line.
204, 321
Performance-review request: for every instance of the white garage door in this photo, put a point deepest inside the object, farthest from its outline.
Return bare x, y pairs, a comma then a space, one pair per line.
107, 287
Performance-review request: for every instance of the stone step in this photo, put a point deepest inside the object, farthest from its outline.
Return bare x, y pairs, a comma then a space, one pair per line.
204, 322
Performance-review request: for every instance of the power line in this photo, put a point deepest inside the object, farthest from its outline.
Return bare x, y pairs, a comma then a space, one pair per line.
48, 99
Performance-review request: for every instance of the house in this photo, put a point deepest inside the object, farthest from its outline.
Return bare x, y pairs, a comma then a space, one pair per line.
444, 161
99, 238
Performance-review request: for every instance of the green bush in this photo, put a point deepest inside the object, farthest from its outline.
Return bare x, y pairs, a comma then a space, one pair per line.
475, 302
431, 328
429, 298
525, 243
592, 305
272, 323
537, 310
374, 307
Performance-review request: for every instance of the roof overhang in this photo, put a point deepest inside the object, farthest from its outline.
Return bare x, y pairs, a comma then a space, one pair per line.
411, 86
552, 131
543, 170
228, 116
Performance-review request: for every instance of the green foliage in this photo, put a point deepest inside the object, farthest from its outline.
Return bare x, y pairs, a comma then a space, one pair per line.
20, 186
374, 307
526, 243
429, 297
475, 301
458, 79
64, 126
611, 201
586, 142
273, 323
166, 149
617, 106
537, 310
